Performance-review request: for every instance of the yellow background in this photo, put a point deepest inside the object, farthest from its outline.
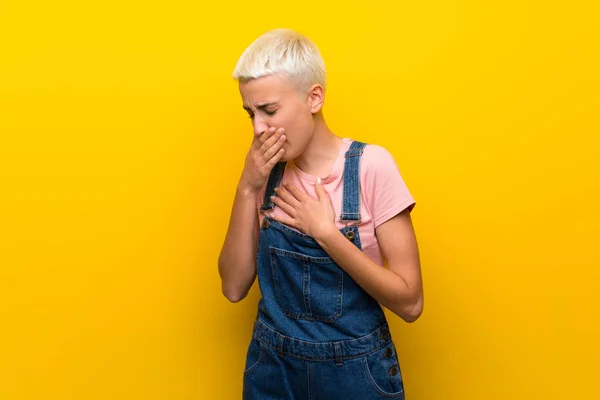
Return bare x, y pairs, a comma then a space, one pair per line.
122, 138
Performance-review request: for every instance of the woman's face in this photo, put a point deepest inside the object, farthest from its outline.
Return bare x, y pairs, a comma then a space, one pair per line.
275, 101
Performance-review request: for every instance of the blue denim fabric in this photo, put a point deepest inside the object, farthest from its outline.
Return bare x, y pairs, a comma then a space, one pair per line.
318, 335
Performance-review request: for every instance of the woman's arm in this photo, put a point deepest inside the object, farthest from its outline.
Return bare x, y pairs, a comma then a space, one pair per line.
399, 287
237, 261
237, 265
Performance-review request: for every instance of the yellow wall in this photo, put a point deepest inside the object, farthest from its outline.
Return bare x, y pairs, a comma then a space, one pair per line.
122, 138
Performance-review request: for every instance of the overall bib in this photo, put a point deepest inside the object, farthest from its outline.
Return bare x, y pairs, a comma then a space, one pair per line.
318, 335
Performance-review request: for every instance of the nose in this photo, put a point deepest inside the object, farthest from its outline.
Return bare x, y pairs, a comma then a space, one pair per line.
260, 126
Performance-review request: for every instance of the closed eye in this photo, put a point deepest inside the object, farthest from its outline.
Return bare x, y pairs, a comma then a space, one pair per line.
270, 113
263, 107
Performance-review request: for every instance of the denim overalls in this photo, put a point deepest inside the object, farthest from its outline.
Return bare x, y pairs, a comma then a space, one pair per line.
317, 335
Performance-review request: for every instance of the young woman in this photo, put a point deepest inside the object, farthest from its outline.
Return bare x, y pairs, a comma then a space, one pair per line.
314, 216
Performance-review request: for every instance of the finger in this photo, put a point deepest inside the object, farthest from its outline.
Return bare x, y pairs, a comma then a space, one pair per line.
287, 197
298, 194
274, 149
260, 140
320, 190
291, 211
274, 160
285, 221
272, 140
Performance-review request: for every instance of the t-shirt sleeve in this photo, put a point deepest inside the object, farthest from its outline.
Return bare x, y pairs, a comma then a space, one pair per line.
386, 192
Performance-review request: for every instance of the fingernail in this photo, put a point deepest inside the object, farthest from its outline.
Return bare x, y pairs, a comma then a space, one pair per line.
319, 181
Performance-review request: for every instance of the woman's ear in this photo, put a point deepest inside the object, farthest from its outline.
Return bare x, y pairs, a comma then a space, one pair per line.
316, 98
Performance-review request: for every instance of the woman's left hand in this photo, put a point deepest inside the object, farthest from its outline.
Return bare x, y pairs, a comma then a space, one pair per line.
313, 217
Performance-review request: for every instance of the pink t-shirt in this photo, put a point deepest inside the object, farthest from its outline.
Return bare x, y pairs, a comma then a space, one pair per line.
383, 192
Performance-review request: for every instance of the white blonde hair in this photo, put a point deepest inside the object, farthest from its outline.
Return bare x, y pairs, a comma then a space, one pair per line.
282, 51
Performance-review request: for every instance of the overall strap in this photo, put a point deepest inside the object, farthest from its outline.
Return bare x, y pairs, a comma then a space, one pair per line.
351, 199
274, 181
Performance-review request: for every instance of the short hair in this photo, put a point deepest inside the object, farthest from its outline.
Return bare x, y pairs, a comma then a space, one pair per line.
282, 51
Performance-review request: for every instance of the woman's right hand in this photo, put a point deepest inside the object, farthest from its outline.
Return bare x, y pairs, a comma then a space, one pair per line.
265, 152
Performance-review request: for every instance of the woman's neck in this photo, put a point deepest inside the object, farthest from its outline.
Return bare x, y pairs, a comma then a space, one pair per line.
322, 151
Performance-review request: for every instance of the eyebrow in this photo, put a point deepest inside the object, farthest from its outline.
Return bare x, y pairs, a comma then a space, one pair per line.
262, 106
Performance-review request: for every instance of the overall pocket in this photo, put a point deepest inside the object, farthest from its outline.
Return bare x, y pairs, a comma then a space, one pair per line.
254, 356
382, 371
307, 287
